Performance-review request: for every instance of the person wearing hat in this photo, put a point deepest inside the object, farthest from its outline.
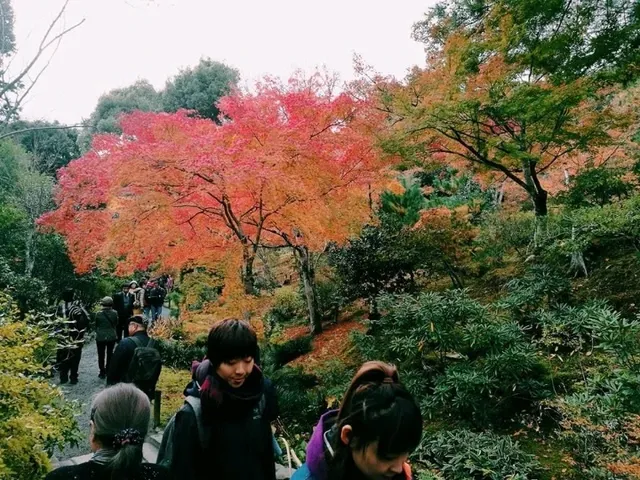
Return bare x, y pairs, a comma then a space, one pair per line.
106, 334
124, 353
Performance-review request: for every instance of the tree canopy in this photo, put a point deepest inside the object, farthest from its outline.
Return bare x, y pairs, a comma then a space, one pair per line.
199, 88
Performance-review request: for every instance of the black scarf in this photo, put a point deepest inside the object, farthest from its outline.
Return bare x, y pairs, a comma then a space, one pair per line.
221, 400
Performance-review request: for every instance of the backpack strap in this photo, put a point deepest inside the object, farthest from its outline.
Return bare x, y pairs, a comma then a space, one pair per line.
196, 406
137, 341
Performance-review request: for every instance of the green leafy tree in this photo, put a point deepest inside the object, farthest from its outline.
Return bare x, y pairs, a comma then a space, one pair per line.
512, 89
561, 38
105, 118
52, 145
200, 88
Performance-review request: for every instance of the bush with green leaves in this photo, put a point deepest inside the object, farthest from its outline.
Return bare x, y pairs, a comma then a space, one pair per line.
541, 287
34, 416
279, 354
599, 423
180, 353
288, 306
593, 233
299, 399
462, 358
463, 455
596, 187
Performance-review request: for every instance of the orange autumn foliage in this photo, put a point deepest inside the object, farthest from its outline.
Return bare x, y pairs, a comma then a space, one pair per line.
289, 161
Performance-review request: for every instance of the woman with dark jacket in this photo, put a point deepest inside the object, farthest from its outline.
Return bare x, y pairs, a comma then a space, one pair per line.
106, 334
119, 422
238, 404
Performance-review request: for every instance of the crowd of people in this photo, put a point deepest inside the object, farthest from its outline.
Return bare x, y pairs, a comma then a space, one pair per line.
224, 428
133, 309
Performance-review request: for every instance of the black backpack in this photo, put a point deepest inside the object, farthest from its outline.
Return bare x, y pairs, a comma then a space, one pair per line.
145, 366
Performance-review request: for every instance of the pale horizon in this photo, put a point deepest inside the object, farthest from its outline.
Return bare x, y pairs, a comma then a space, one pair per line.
123, 41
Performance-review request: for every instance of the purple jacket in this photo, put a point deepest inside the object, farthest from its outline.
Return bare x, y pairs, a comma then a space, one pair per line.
315, 467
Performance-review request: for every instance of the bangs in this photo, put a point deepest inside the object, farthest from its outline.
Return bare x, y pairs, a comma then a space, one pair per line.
399, 429
231, 340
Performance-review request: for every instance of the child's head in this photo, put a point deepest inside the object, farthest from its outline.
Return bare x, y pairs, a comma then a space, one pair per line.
232, 348
379, 424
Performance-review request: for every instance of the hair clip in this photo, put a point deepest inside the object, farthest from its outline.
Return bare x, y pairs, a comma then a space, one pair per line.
128, 436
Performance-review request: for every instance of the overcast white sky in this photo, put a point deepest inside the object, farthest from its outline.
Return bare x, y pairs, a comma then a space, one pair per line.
125, 40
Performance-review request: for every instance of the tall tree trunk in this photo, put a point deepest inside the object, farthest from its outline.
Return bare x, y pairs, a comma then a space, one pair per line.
248, 276
540, 203
538, 195
307, 273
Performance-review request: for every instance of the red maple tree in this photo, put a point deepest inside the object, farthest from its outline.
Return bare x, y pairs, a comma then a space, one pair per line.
291, 166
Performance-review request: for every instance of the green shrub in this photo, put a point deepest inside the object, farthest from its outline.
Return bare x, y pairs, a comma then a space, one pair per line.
329, 298
299, 399
283, 353
34, 417
288, 306
596, 186
179, 354
539, 288
464, 455
501, 234
458, 355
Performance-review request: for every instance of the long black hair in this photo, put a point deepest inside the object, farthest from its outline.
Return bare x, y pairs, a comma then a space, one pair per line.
379, 409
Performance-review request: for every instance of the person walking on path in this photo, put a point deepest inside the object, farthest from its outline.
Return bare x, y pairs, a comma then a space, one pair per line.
74, 320
119, 422
156, 299
139, 303
106, 334
123, 305
121, 369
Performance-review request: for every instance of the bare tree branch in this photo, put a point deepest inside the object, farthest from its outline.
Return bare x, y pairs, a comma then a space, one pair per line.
45, 43
35, 129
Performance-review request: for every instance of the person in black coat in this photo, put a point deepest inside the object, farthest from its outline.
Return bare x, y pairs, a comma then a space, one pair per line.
123, 353
238, 405
123, 305
119, 422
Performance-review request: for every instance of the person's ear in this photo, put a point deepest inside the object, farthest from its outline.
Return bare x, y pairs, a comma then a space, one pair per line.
346, 434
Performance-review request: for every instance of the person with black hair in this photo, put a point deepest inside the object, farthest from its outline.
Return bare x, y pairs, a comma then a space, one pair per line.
73, 322
371, 436
123, 305
118, 424
236, 406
